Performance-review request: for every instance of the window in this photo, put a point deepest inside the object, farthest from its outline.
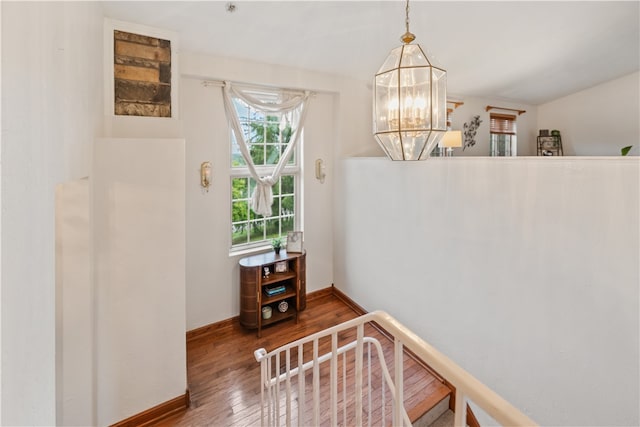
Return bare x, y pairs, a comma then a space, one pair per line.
267, 135
503, 135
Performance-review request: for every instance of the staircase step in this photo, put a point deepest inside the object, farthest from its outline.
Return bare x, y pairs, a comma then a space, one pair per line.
436, 403
445, 420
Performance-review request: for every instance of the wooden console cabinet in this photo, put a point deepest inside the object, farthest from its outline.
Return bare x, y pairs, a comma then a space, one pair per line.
258, 274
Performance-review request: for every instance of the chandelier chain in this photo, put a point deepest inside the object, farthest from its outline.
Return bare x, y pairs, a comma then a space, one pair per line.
407, 37
407, 16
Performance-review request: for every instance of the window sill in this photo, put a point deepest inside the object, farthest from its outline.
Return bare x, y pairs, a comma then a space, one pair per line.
249, 251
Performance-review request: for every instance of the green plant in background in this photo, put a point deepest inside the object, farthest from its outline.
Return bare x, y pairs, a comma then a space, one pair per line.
625, 150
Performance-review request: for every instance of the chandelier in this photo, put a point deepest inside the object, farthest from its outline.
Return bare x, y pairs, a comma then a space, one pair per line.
409, 102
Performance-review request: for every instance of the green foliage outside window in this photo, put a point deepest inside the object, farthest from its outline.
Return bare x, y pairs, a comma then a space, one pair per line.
248, 226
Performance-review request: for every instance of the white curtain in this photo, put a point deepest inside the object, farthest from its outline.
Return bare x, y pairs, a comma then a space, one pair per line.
262, 196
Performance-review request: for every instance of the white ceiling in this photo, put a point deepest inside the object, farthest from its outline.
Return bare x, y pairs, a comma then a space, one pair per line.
530, 52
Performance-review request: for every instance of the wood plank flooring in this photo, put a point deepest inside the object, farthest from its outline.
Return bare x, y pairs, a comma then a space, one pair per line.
224, 378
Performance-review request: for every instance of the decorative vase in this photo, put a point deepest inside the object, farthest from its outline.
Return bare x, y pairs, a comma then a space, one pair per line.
283, 306
266, 312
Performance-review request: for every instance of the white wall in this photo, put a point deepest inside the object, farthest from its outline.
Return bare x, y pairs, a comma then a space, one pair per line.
74, 306
51, 105
138, 214
598, 121
522, 270
212, 274
525, 125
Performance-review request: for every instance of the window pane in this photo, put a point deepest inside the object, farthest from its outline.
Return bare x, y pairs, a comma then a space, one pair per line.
276, 187
286, 134
292, 158
272, 228
241, 108
256, 231
236, 156
287, 184
239, 233
239, 188
246, 130
237, 160
272, 134
272, 155
287, 224
257, 154
287, 205
275, 207
239, 211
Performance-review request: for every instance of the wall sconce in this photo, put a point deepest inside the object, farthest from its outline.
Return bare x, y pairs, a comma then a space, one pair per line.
320, 171
205, 175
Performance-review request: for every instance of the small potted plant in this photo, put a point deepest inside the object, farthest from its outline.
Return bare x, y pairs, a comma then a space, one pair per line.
277, 244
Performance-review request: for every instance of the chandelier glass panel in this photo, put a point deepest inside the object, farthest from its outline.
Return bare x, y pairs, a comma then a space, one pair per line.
409, 103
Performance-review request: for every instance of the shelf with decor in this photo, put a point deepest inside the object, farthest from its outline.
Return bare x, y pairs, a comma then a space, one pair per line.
549, 144
270, 299
272, 288
277, 316
278, 277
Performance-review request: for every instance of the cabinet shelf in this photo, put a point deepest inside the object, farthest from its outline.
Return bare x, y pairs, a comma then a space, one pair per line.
277, 277
275, 298
277, 316
253, 283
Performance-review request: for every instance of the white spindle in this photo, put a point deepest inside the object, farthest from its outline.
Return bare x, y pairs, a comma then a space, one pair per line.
460, 418
316, 385
301, 389
344, 388
263, 381
288, 373
334, 378
370, 405
399, 386
384, 401
359, 340
276, 411
269, 401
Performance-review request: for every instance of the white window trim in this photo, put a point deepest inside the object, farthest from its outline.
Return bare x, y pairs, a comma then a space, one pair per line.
242, 172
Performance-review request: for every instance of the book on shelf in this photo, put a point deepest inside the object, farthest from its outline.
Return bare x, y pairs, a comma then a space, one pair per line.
275, 290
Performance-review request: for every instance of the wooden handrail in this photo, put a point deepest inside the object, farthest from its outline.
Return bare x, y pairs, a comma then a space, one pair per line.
492, 107
469, 386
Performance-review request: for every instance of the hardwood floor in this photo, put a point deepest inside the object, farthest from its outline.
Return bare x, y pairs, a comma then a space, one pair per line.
224, 377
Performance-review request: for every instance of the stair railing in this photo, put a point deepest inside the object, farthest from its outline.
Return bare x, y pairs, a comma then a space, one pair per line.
356, 393
345, 374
